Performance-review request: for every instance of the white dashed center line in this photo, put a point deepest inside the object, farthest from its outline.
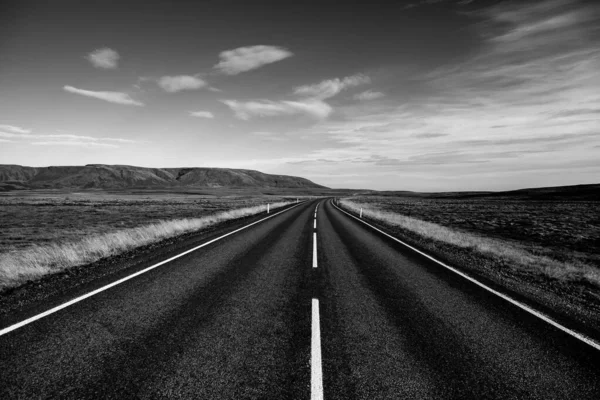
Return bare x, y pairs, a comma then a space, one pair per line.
315, 250
316, 370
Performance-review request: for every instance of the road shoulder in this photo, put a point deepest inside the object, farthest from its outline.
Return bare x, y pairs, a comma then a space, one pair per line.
51, 290
579, 311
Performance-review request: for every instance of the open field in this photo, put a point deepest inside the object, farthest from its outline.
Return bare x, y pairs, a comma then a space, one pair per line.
563, 230
545, 251
38, 218
47, 232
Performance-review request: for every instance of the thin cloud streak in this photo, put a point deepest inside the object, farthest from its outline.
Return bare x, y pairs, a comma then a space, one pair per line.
248, 58
269, 136
268, 108
426, 135
73, 143
173, 84
368, 95
331, 87
111, 97
65, 139
14, 129
311, 101
201, 114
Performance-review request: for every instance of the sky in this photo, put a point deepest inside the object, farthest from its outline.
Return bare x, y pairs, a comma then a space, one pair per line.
425, 95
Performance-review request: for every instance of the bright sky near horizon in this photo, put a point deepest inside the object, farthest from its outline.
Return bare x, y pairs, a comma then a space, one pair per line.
428, 95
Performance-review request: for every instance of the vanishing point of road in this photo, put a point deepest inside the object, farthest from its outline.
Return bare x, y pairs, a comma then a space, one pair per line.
307, 304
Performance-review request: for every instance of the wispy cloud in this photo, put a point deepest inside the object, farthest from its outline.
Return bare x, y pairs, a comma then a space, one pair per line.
427, 135
201, 114
112, 97
331, 87
248, 58
531, 90
64, 139
309, 101
564, 139
74, 143
6, 140
260, 108
119, 140
104, 58
368, 95
14, 129
269, 136
178, 83
434, 2
6, 135
67, 136
268, 108
11, 135
313, 107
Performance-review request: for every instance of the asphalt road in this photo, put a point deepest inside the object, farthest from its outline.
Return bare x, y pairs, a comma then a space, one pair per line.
234, 320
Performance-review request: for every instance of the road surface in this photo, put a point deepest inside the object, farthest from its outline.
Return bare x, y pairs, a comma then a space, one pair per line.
262, 314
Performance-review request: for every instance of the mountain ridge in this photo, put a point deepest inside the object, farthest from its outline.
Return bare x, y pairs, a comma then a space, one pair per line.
104, 176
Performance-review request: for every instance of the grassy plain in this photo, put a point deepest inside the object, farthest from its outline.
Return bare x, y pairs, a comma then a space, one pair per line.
46, 232
567, 231
545, 250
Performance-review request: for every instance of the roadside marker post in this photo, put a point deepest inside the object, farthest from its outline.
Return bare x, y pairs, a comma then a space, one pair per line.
361, 212
268, 207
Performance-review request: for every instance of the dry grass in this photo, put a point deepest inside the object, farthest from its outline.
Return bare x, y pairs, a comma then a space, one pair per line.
48, 217
19, 266
562, 229
505, 252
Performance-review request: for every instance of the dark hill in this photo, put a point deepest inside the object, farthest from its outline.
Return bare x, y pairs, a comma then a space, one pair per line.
589, 192
574, 192
99, 176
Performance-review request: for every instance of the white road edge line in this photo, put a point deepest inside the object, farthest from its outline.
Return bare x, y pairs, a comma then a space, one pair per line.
314, 249
316, 369
315, 225
110, 285
587, 340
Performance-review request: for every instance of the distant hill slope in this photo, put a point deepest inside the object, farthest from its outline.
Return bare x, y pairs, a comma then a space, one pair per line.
99, 176
589, 192
578, 192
